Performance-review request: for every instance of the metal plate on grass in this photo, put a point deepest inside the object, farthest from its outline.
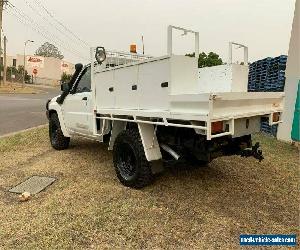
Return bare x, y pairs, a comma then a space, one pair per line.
33, 185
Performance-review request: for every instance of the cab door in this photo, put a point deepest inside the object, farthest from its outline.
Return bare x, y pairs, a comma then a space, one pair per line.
77, 105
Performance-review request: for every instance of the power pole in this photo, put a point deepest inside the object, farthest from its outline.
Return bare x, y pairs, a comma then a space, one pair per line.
5, 61
1, 14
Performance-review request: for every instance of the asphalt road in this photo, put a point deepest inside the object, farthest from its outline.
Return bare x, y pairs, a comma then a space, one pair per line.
23, 111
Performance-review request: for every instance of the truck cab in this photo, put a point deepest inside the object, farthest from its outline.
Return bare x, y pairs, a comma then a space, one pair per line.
78, 105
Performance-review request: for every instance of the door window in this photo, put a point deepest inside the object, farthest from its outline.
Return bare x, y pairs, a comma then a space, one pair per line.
84, 83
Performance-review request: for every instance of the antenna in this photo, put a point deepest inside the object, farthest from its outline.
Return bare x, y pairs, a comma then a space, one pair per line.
143, 45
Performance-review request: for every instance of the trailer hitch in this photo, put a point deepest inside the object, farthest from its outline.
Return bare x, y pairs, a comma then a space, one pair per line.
254, 151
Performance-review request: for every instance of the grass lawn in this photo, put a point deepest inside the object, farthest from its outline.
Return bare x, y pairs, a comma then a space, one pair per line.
17, 89
87, 208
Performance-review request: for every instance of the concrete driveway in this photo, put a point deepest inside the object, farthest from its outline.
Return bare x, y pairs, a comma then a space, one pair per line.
23, 111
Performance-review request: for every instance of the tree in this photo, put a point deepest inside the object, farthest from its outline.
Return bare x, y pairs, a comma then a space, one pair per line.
11, 70
65, 78
19, 74
49, 50
207, 60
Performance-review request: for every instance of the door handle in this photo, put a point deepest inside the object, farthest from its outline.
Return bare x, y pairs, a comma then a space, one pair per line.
84, 98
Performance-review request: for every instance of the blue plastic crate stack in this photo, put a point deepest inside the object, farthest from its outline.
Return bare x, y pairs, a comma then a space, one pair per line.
266, 128
267, 75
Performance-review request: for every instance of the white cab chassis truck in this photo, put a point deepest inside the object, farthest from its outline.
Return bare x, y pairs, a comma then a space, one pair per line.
154, 110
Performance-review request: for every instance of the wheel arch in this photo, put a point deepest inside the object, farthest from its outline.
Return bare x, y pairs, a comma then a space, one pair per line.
55, 108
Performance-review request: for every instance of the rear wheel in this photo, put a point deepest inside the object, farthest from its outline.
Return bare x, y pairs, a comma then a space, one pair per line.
57, 138
131, 165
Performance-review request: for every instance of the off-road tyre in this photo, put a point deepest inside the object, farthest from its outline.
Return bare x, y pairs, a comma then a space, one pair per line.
131, 166
57, 138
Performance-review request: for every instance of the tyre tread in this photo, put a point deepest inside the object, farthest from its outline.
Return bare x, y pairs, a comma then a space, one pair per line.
145, 176
62, 142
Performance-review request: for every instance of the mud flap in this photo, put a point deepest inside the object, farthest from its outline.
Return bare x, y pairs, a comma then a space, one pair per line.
149, 140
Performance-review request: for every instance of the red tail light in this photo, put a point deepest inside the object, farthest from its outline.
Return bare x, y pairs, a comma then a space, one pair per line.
217, 127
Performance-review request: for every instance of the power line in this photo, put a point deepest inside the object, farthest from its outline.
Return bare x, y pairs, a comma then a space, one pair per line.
52, 24
60, 23
28, 22
65, 41
43, 35
39, 27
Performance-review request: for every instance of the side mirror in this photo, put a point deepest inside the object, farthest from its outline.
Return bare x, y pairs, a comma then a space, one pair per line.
65, 87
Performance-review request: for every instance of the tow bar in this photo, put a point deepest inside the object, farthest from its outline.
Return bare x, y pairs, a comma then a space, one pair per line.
254, 151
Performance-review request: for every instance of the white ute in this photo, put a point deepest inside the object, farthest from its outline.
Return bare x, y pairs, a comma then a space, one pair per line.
154, 110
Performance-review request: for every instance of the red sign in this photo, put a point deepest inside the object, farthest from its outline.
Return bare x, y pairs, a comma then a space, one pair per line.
34, 59
35, 71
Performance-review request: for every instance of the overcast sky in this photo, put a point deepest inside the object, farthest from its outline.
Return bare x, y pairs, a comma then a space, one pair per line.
263, 25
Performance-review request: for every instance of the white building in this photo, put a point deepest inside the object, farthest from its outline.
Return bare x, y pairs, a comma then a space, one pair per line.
44, 70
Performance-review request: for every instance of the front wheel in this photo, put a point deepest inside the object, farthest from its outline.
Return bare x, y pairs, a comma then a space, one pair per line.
132, 168
57, 138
